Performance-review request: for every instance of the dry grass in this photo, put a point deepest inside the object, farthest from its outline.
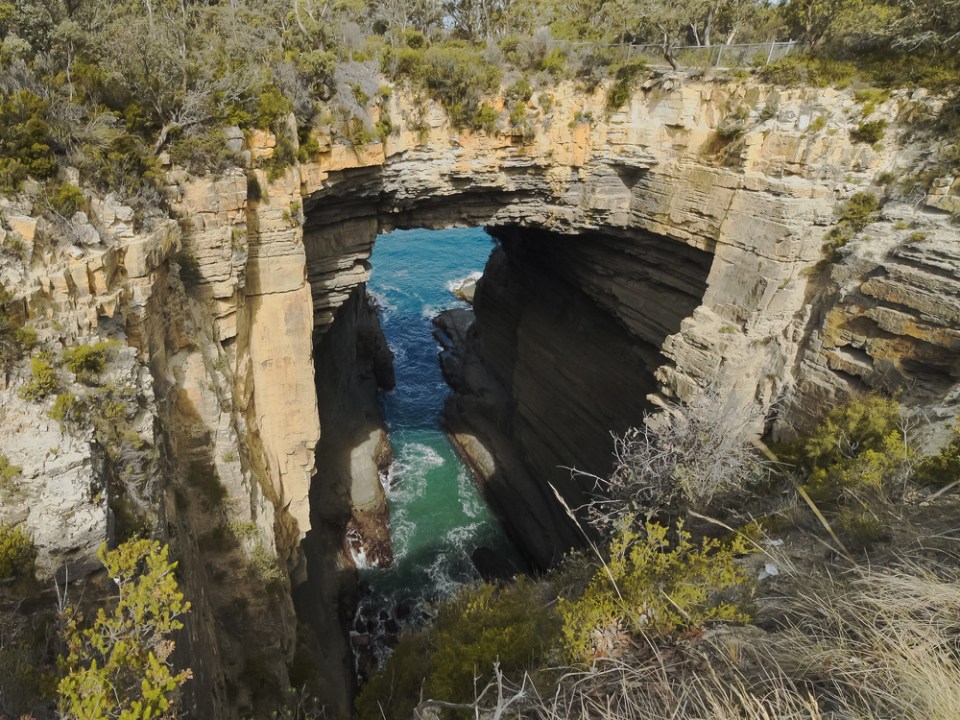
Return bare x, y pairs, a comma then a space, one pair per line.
847, 643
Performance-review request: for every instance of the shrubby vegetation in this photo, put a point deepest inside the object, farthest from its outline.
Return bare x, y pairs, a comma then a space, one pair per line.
119, 665
637, 628
106, 87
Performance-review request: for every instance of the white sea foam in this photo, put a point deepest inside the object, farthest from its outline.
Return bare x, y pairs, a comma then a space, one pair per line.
454, 285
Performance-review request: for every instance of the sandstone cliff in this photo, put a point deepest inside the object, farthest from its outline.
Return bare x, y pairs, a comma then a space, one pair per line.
645, 253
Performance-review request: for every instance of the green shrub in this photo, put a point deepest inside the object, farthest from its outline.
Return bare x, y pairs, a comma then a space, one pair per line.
120, 666
272, 106
87, 361
44, 381
943, 468
14, 338
855, 214
803, 69
26, 141
485, 118
856, 453
870, 131
68, 410
514, 625
456, 74
653, 585
622, 88
283, 157
17, 552
66, 199
8, 473
203, 151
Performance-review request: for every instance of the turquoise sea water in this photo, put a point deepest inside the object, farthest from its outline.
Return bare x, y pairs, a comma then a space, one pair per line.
437, 517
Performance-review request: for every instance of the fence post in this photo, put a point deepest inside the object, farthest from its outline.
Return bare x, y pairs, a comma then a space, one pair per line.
719, 53
770, 54
629, 52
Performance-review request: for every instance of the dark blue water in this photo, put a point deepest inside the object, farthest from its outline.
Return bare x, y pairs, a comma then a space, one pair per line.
437, 517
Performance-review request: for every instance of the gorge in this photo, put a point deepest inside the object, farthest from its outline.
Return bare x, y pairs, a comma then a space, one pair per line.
642, 255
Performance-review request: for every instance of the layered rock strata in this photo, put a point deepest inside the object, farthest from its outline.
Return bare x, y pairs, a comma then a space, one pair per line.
672, 254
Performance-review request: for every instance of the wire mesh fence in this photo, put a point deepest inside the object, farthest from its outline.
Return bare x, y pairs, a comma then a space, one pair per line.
724, 56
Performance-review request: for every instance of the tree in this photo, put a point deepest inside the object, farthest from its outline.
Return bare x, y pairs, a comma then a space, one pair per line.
119, 666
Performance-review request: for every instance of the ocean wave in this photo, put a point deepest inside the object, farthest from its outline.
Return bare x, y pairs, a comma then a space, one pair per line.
454, 285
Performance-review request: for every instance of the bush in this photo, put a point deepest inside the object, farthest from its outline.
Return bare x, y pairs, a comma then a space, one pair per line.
456, 74
855, 214
66, 199
44, 380
26, 142
859, 451
479, 626
68, 410
17, 552
120, 664
654, 586
800, 69
203, 151
943, 468
8, 473
272, 105
622, 88
87, 361
695, 455
870, 132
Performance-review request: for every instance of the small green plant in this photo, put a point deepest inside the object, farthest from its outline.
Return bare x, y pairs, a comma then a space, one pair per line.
485, 119
17, 552
855, 214
859, 451
243, 530
917, 236
44, 381
119, 665
266, 567
68, 410
654, 585
622, 88
87, 362
8, 473
516, 626
943, 468
66, 199
870, 131
818, 124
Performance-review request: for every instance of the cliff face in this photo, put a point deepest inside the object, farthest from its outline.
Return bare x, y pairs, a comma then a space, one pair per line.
645, 253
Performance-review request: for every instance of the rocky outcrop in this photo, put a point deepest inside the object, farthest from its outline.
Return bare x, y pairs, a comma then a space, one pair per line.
646, 253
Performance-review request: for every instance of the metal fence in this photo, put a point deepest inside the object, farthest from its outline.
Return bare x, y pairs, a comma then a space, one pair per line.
722, 56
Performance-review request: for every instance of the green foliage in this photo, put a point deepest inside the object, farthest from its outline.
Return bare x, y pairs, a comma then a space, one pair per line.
283, 157
14, 338
811, 70
272, 106
622, 88
654, 586
943, 468
857, 452
17, 552
66, 199
26, 143
870, 131
8, 473
515, 625
118, 665
203, 151
456, 74
44, 381
68, 410
855, 214
87, 361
